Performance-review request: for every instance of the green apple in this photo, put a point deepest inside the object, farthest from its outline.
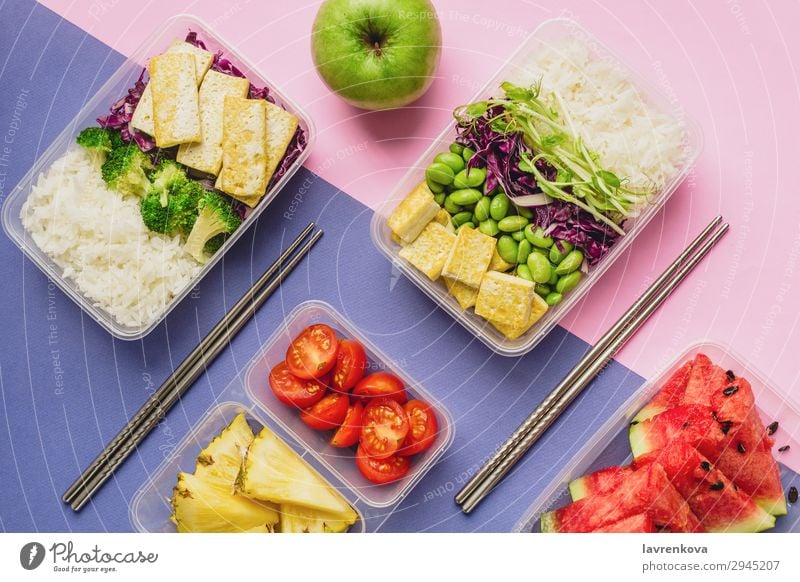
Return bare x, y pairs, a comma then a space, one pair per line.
377, 54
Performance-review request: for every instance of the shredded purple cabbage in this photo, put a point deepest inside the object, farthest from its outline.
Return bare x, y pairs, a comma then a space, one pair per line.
122, 113
500, 153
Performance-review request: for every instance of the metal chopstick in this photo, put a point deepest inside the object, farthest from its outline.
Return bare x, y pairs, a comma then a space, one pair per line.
530, 430
191, 367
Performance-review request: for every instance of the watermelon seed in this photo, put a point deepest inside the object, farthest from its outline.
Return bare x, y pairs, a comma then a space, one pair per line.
705, 465
685, 425
718, 486
730, 390
726, 425
792, 494
740, 448
714, 415
783, 449
730, 375
772, 428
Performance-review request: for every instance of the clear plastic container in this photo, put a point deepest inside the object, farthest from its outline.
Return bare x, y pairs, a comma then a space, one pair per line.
610, 446
117, 86
250, 392
545, 34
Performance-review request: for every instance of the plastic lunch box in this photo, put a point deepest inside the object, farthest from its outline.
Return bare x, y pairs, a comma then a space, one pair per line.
116, 87
545, 34
609, 445
249, 392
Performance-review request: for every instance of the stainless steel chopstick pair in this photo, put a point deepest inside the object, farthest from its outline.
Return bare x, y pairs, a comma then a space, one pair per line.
529, 432
154, 409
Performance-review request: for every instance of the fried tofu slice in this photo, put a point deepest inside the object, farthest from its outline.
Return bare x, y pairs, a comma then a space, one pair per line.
413, 213
176, 110
505, 299
538, 308
143, 114
464, 294
443, 218
469, 258
429, 250
244, 148
497, 263
206, 156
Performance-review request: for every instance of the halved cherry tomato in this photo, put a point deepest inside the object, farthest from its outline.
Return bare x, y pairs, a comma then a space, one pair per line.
382, 471
385, 428
293, 391
351, 363
423, 428
347, 435
312, 354
328, 413
381, 384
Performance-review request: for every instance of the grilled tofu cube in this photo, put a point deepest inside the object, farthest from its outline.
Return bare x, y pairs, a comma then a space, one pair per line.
429, 250
244, 148
505, 299
413, 213
176, 110
498, 263
143, 114
443, 218
512, 332
206, 156
464, 294
469, 258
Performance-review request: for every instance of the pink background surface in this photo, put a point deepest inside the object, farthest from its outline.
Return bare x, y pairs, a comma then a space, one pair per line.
728, 63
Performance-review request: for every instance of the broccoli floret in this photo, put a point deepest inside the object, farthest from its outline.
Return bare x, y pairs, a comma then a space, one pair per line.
155, 216
166, 178
124, 170
97, 141
216, 216
180, 214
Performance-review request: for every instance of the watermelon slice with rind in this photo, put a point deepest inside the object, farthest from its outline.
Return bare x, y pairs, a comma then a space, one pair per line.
644, 491
716, 502
640, 523
669, 396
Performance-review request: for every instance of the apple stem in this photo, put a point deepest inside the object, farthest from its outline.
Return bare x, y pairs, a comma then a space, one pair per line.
377, 47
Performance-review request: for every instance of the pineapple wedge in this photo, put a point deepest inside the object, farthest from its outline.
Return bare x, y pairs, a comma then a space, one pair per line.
220, 461
273, 472
200, 506
299, 519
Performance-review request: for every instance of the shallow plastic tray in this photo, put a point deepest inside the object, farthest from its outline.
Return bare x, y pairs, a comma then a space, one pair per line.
116, 87
610, 446
250, 392
545, 34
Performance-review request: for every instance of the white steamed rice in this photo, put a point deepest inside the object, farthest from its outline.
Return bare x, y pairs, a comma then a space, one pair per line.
99, 240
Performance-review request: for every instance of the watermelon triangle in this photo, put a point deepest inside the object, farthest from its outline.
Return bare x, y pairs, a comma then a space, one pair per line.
669, 396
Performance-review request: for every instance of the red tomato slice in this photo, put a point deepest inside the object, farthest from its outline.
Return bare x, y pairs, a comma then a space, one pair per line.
293, 391
312, 354
382, 471
328, 413
351, 364
423, 428
347, 434
382, 384
385, 428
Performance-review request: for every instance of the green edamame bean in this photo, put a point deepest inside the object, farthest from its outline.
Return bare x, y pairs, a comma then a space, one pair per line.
553, 298
523, 251
526, 212
518, 235
482, 208
469, 178
465, 196
553, 278
466, 225
540, 267
542, 289
439, 198
456, 148
434, 187
467, 154
566, 283
543, 252
571, 261
507, 248
499, 206
535, 234
462, 218
455, 161
451, 206
440, 173
556, 256
489, 227
512, 223
524, 273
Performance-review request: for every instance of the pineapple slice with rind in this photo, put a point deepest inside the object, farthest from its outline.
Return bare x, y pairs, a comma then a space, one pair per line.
299, 519
273, 472
221, 460
200, 506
